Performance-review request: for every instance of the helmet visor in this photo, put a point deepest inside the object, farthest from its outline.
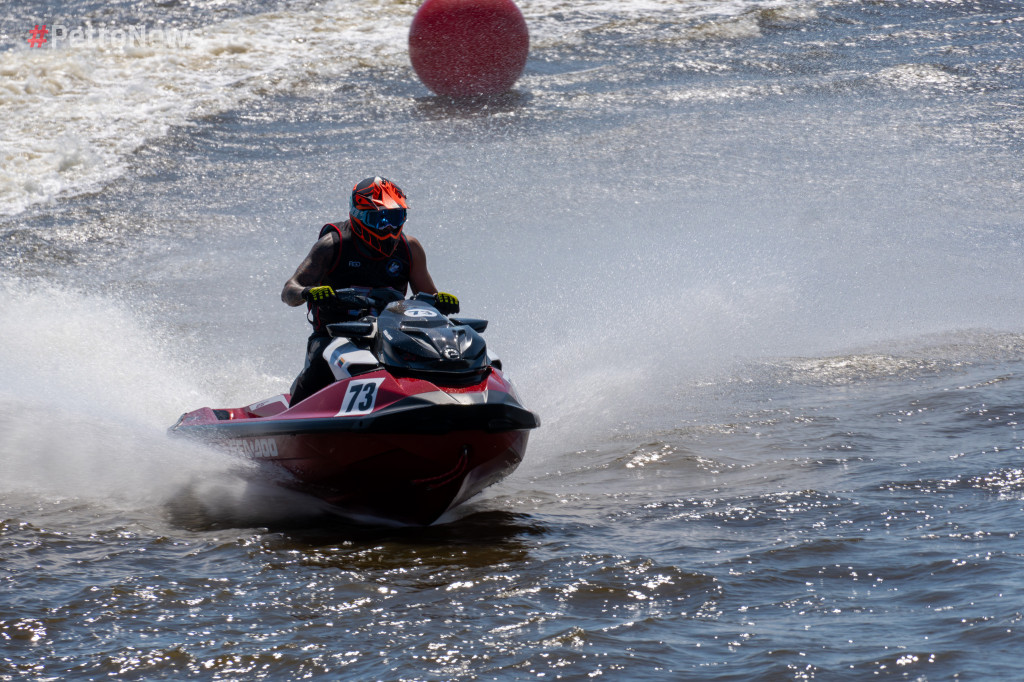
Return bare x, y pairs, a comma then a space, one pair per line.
387, 221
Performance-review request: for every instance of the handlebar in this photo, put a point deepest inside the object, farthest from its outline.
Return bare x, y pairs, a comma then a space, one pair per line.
361, 301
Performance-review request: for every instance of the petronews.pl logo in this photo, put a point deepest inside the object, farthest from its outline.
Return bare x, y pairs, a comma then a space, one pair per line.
105, 37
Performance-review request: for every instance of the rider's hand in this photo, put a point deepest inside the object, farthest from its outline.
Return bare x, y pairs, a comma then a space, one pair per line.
318, 295
446, 304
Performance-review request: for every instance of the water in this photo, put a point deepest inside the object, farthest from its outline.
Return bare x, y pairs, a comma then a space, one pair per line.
754, 263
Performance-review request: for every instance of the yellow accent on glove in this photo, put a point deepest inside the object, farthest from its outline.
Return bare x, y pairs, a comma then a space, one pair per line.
318, 294
446, 299
446, 304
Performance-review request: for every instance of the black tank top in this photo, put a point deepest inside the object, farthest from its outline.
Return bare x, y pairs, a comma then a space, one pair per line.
354, 268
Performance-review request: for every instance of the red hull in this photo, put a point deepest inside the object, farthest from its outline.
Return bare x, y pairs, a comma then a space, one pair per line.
407, 478
419, 450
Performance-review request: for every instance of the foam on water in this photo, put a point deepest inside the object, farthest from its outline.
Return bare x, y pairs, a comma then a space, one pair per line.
89, 390
76, 110
87, 353
74, 113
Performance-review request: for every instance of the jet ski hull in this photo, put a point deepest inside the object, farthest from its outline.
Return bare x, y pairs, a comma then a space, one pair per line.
405, 454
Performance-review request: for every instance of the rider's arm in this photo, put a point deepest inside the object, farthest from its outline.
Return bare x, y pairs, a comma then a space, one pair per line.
312, 269
419, 277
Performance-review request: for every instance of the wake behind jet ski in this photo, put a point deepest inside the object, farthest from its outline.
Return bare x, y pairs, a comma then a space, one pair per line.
418, 420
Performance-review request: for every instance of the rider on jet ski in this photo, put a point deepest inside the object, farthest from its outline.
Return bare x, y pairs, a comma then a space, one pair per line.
379, 256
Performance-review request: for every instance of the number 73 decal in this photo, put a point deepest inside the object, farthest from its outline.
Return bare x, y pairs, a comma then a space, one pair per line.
360, 398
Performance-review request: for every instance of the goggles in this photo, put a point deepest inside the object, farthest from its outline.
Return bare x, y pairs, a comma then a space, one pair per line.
387, 221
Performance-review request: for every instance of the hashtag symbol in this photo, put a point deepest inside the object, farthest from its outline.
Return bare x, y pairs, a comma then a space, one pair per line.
37, 36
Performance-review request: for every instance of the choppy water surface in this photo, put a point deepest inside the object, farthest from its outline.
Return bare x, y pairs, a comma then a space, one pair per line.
755, 264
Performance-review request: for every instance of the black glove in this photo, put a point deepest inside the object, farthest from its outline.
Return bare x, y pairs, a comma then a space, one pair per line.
319, 295
446, 304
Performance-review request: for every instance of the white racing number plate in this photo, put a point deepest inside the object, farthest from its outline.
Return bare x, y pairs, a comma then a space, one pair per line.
360, 398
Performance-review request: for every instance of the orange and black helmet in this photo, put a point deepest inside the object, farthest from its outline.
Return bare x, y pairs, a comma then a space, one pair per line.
377, 214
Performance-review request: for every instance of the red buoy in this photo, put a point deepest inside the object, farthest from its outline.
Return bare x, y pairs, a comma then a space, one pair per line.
463, 48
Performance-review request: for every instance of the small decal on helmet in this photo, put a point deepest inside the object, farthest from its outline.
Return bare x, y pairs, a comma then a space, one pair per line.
420, 312
354, 264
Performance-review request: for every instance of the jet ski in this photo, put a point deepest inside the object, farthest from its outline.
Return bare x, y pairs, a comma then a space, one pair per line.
419, 419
